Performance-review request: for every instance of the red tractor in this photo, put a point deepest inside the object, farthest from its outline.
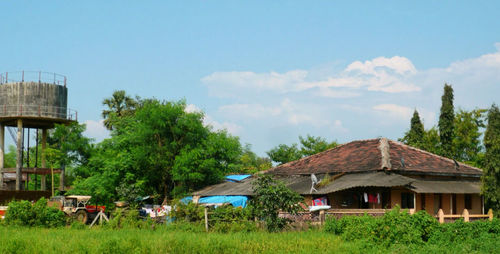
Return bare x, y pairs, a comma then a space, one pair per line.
77, 207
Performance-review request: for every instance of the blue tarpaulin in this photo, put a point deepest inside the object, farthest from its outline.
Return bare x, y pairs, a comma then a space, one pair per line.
233, 200
236, 178
187, 200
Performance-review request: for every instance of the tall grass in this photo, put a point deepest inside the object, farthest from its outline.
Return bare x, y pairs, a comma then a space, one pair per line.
67, 240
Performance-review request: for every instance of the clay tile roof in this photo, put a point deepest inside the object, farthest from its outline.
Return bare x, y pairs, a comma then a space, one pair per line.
373, 155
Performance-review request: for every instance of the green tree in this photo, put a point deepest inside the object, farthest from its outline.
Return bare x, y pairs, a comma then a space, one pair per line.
10, 157
251, 163
283, 153
446, 122
119, 105
160, 150
431, 141
312, 145
416, 135
74, 147
271, 197
491, 173
308, 146
467, 138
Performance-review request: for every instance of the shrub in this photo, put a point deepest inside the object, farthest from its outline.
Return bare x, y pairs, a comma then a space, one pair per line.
187, 212
23, 213
271, 197
358, 227
129, 219
395, 227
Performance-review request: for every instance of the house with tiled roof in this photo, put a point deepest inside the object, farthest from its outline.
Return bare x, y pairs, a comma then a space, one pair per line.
375, 174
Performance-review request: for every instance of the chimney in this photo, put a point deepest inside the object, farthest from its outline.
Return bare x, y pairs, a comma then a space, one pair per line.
384, 151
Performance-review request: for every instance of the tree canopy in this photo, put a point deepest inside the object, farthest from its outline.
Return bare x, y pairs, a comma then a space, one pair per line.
119, 104
308, 146
160, 150
446, 122
491, 175
416, 135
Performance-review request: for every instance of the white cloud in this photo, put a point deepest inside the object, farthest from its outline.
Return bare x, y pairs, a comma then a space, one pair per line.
339, 127
96, 130
395, 110
365, 99
227, 84
231, 127
404, 113
191, 108
253, 111
380, 74
400, 65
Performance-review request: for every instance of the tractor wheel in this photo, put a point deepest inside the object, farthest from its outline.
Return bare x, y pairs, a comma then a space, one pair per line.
81, 216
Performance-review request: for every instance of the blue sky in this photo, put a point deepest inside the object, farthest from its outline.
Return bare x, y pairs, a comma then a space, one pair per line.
267, 71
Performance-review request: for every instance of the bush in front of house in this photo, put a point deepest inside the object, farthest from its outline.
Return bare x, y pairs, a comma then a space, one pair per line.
23, 213
392, 228
397, 228
460, 231
189, 212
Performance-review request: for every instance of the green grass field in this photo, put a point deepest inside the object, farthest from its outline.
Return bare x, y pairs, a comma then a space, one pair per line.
161, 240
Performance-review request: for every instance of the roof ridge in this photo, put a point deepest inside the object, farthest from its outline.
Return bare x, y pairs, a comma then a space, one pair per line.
434, 155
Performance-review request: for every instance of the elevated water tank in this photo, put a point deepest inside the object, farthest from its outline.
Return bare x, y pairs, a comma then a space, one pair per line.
40, 104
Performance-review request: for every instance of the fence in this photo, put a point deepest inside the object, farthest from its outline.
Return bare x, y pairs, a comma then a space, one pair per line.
6, 196
319, 217
465, 215
40, 76
38, 111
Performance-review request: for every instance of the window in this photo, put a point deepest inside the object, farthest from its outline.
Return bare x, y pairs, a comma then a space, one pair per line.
468, 201
407, 201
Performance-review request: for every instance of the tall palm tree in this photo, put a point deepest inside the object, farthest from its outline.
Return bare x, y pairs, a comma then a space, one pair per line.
119, 104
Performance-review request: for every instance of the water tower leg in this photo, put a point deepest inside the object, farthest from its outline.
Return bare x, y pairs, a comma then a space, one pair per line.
43, 184
2, 152
62, 178
19, 162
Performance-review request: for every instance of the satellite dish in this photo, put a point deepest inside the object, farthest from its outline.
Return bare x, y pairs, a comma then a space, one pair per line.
457, 166
402, 162
314, 181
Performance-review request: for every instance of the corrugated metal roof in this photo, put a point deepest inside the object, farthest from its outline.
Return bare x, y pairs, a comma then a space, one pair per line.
371, 179
458, 187
302, 184
242, 188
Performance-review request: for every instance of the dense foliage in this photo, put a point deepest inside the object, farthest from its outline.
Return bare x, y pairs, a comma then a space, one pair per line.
160, 150
459, 139
23, 213
308, 146
119, 104
491, 176
399, 228
272, 196
415, 136
446, 122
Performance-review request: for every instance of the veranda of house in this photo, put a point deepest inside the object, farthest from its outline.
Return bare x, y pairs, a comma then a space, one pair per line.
353, 199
